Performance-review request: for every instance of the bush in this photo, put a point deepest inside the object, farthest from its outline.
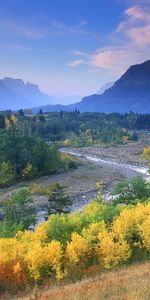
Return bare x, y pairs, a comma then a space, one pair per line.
19, 213
131, 192
7, 175
68, 244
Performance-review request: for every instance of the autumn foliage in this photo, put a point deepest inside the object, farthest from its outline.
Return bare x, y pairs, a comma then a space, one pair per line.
69, 245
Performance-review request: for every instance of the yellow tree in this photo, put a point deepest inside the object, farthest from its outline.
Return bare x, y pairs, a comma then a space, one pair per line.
146, 155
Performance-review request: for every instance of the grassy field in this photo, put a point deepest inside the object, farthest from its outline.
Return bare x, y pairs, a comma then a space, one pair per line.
130, 283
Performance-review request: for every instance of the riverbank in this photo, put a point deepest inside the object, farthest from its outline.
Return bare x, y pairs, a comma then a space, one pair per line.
130, 153
99, 167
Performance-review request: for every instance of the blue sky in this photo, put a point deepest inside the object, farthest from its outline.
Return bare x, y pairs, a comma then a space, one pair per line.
72, 47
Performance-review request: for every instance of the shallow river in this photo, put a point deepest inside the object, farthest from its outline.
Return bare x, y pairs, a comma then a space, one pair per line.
127, 170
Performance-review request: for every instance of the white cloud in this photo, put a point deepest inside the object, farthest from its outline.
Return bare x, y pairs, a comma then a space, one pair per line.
75, 63
76, 29
19, 47
136, 25
132, 44
25, 30
109, 58
140, 36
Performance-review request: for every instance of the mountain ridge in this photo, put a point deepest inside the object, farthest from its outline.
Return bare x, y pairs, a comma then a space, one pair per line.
16, 94
130, 92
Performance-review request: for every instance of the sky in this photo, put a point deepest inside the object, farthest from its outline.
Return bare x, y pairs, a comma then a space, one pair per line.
72, 47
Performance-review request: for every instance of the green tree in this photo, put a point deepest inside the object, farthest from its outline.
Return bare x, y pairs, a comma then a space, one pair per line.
19, 211
58, 199
131, 191
7, 175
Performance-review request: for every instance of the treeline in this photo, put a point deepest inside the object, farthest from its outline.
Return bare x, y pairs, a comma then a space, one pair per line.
23, 156
81, 129
78, 129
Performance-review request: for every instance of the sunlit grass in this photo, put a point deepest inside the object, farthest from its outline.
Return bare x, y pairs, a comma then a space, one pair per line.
130, 283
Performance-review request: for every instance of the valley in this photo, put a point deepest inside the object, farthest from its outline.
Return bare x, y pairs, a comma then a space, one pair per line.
99, 168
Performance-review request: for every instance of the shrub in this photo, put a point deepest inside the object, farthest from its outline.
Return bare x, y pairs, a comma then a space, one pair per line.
7, 175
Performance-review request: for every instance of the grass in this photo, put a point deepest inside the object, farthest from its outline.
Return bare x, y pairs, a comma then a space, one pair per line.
129, 283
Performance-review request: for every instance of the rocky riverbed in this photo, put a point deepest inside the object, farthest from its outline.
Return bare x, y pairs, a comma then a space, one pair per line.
99, 166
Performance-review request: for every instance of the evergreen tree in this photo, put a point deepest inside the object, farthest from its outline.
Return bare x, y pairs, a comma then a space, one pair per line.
58, 199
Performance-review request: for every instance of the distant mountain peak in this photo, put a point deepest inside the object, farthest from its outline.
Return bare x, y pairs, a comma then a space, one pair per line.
16, 94
130, 92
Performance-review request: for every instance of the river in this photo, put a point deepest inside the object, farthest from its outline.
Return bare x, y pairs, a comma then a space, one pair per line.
127, 170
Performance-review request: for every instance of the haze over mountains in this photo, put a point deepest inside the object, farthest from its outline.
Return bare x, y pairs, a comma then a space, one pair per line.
105, 87
15, 94
130, 92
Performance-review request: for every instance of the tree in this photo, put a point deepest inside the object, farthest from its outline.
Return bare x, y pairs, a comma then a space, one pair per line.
58, 199
7, 175
131, 191
146, 155
2, 121
19, 210
21, 113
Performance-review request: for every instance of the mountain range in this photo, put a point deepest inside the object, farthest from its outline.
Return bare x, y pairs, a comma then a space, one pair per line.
15, 94
130, 92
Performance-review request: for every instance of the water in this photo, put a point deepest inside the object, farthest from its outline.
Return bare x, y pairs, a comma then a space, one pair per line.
129, 171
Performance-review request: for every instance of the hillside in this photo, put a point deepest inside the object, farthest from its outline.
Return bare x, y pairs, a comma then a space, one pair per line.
130, 92
130, 283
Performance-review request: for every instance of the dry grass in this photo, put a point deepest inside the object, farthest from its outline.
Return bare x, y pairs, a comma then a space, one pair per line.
131, 283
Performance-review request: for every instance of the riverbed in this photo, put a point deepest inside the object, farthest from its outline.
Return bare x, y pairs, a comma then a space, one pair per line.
99, 168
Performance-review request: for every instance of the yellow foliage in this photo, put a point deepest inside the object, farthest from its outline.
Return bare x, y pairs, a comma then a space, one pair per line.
146, 153
32, 256
91, 233
144, 230
7, 123
125, 138
27, 171
127, 224
76, 249
111, 252
47, 258
13, 119
34, 188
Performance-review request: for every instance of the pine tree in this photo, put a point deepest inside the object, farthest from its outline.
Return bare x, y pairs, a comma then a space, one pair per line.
58, 199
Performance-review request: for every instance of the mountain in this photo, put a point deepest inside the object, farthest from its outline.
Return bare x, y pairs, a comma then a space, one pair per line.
130, 92
66, 100
105, 87
15, 94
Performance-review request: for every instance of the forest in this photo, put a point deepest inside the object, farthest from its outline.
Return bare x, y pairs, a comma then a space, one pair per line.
67, 246
75, 128
29, 143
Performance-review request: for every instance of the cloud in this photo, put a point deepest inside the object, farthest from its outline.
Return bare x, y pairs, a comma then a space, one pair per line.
109, 58
79, 29
140, 36
22, 29
79, 53
19, 47
130, 44
136, 25
75, 63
